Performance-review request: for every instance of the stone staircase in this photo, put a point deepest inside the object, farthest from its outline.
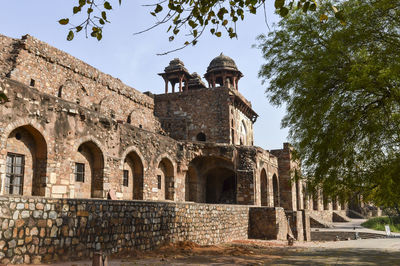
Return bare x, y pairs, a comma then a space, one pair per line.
316, 222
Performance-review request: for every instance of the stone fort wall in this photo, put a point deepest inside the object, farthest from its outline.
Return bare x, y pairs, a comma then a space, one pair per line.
54, 134
57, 73
37, 230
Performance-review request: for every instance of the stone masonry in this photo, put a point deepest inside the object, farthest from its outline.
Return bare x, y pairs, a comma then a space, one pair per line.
73, 137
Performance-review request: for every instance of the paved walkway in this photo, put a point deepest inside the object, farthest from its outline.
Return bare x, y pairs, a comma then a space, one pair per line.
354, 226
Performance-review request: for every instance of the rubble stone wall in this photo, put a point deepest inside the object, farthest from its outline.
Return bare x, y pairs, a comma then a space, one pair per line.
186, 114
37, 230
268, 223
291, 191
49, 70
62, 133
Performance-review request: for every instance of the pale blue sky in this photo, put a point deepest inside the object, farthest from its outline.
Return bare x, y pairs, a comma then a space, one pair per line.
133, 59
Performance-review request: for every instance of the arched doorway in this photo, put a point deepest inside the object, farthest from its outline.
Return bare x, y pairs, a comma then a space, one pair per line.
211, 180
89, 171
201, 137
166, 178
264, 188
132, 177
26, 162
191, 185
221, 186
275, 186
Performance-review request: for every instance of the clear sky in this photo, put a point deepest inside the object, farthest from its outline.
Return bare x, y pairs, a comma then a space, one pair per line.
133, 59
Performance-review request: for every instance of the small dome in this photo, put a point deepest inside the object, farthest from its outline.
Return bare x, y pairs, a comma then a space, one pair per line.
222, 62
175, 65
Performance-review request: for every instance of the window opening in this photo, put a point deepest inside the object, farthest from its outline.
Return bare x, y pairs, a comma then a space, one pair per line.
125, 180
159, 181
79, 172
14, 173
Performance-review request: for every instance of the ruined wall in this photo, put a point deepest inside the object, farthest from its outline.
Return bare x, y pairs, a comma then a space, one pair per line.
57, 73
267, 166
296, 224
241, 128
64, 126
291, 192
71, 134
185, 114
268, 223
37, 230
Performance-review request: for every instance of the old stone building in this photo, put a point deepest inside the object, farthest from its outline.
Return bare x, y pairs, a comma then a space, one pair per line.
70, 133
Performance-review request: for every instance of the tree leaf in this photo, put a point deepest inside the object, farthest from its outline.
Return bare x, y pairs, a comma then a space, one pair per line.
323, 17
283, 11
107, 5
158, 9
104, 15
76, 9
279, 4
70, 35
64, 21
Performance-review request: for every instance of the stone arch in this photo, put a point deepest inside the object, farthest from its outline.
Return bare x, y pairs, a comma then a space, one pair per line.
264, 188
132, 165
275, 186
19, 123
89, 159
211, 179
84, 139
138, 153
166, 178
25, 151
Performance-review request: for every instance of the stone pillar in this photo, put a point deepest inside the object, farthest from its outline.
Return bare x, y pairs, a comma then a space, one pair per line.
180, 83
186, 85
166, 85
224, 80
320, 200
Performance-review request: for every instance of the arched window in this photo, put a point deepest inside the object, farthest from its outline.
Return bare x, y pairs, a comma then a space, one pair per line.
201, 137
243, 134
26, 162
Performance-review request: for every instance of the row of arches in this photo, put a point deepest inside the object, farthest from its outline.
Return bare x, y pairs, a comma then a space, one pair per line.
209, 179
266, 199
26, 161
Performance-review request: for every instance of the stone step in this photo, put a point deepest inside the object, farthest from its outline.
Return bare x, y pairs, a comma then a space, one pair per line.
342, 235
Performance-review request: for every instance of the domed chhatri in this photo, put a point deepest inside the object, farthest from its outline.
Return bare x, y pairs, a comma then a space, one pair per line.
222, 62
224, 72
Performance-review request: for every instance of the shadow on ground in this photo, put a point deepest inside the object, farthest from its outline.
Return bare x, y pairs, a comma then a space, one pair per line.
245, 254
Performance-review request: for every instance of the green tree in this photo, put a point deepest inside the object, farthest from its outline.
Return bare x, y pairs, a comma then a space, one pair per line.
340, 83
188, 17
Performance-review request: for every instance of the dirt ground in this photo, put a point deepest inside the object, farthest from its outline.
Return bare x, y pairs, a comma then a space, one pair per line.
261, 252
258, 252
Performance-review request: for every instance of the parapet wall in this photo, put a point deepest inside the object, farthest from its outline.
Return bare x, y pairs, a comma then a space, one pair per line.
36, 230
